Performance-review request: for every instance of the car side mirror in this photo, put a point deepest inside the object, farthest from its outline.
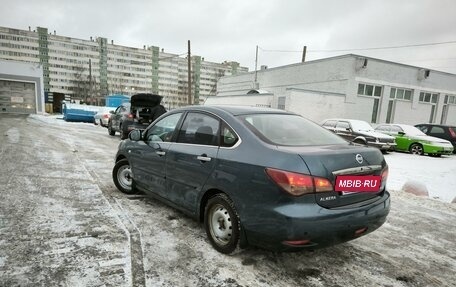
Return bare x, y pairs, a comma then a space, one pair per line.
401, 133
135, 135
348, 129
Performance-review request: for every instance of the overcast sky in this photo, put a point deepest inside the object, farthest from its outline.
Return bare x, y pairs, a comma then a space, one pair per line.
231, 29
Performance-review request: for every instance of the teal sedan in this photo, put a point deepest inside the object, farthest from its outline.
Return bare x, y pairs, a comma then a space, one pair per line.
411, 139
256, 176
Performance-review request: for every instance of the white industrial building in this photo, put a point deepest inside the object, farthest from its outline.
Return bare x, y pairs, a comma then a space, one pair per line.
348, 86
21, 88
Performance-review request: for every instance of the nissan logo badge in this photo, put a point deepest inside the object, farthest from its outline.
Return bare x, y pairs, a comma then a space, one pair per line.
359, 158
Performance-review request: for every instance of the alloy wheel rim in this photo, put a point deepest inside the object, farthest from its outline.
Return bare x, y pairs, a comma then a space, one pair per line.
417, 149
220, 224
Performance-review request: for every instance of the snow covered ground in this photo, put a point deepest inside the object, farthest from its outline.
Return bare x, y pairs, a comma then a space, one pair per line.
437, 174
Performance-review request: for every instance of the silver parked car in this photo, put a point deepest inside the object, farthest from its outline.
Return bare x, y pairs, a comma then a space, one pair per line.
102, 117
360, 132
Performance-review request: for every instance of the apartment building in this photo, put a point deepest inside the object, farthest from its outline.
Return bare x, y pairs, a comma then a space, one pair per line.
88, 70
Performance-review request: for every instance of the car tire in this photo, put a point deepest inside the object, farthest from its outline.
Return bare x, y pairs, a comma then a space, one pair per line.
122, 177
111, 132
416, 149
123, 135
221, 222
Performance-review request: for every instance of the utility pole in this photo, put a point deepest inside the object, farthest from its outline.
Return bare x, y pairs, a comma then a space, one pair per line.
90, 81
304, 51
189, 59
256, 67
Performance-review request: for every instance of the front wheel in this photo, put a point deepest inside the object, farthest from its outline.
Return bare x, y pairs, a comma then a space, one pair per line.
416, 149
221, 222
123, 177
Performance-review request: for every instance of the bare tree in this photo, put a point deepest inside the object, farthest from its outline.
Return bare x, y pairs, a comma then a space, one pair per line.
81, 83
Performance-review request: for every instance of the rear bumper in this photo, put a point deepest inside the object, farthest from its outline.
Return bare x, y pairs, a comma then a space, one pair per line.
437, 149
319, 226
128, 126
383, 146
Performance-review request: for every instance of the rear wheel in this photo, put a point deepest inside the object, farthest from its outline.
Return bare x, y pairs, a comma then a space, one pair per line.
123, 177
416, 149
221, 222
111, 132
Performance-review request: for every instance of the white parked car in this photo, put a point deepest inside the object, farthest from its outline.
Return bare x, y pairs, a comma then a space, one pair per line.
102, 117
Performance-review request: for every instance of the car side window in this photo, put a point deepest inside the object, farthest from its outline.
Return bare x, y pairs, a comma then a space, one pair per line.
329, 124
342, 125
199, 128
383, 128
436, 131
163, 130
396, 129
424, 129
228, 136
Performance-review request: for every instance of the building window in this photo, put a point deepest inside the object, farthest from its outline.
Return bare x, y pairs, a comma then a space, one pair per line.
281, 103
428, 97
450, 99
401, 94
369, 90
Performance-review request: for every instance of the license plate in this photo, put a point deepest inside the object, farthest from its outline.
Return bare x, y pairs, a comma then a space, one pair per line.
358, 183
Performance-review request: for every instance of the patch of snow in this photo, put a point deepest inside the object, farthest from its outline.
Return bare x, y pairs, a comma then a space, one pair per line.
13, 135
438, 174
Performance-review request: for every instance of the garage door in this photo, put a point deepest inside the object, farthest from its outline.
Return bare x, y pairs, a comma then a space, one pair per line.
17, 97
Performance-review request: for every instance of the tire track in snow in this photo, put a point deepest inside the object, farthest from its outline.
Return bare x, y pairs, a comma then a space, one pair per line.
133, 233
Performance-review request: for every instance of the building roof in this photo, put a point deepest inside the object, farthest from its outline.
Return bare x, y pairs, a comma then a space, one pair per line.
347, 56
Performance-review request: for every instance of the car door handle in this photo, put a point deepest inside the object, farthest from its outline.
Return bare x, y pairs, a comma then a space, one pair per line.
160, 153
203, 157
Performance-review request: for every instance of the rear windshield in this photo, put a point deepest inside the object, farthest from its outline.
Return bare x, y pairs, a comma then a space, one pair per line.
289, 130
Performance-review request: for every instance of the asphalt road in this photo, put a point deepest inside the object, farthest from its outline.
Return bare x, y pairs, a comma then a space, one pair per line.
63, 223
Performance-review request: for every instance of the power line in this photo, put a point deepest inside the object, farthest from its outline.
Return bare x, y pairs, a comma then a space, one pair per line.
360, 49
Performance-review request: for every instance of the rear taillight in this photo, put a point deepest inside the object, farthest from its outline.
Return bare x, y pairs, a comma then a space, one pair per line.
384, 177
452, 132
106, 116
131, 116
298, 184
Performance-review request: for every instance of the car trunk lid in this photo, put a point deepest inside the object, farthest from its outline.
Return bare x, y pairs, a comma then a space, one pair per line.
145, 108
333, 161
